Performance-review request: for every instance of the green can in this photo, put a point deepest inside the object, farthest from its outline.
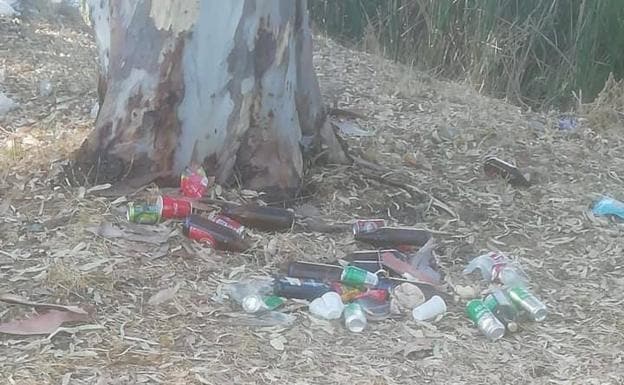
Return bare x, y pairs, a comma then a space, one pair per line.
354, 276
485, 320
143, 213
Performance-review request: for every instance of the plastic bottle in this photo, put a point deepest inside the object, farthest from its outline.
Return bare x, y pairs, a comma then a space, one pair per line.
529, 302
496, 267
355, 319
261, 217
389, 237
424, 261
610, 207
238, 291
499, 303
266, 319
217, 236
373, 309
485, 320
256, 303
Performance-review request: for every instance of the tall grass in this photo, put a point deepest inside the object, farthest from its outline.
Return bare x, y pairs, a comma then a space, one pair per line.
532, 52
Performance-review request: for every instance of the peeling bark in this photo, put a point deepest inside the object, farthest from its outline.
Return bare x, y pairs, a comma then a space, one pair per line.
229, 84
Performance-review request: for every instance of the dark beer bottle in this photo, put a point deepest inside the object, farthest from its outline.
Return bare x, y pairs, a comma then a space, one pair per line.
261, 217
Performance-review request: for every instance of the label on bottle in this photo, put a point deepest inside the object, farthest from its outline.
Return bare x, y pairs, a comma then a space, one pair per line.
228, 222
272, 302
500, 262
518, 294
490, 303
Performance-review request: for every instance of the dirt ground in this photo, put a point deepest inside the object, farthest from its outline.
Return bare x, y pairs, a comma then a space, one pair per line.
430, 139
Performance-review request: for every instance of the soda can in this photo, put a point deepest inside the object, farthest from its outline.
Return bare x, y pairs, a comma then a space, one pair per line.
367, 225
228, 222
143, 213
198, 234
354, 276
485, 320
174, 207
194, 182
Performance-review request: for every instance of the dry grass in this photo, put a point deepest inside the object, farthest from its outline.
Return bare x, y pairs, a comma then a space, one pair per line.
431, 134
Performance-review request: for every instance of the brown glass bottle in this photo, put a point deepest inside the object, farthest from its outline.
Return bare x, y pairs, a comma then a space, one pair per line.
261, 217
317, 271
218, 236
394, 236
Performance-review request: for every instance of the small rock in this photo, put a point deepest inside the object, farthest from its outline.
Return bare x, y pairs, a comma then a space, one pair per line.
408, 296
466, 292
45, 88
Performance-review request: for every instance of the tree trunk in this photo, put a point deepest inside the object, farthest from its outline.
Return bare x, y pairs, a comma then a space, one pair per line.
227, 84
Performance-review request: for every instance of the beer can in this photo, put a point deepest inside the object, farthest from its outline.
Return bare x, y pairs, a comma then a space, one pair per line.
367, 225
143, 213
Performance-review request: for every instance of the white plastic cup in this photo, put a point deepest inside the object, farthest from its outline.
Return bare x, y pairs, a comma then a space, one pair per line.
430, 309
328, 306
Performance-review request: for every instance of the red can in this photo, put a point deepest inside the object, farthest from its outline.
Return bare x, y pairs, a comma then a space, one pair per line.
367, 225
194, 182
199, 235
174, 207
228, 222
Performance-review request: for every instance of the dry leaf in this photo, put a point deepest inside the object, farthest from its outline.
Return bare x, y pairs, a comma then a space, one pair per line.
100, 187
278, 343
164, 295
130, 233
44, 323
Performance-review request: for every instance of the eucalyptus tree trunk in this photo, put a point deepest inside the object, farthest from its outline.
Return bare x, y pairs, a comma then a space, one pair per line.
227, 84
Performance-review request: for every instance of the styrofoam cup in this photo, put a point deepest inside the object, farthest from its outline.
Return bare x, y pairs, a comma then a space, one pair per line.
430, 309
328, 306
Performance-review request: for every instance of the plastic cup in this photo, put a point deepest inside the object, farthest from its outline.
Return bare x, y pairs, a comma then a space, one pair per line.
328, 306
430, 309
174, 208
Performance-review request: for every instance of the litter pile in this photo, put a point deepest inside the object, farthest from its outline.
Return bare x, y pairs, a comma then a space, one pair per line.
508, 302
399, 275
